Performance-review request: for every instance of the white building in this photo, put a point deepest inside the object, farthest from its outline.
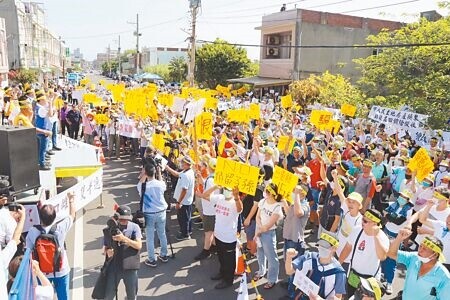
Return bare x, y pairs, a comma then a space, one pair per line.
161, 55
30, 42
4, 68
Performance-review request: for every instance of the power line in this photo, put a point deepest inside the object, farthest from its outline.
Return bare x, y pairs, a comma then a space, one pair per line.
262, 7
381, 6
407, 45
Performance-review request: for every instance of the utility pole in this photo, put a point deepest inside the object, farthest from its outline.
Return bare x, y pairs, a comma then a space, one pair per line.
120, 61
137, 34
194, 6
109, 59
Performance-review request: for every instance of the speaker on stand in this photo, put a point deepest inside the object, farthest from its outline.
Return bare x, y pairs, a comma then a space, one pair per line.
19, 158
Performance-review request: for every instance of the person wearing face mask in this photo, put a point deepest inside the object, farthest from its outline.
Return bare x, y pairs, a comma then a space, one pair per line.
297, 215
438, 228
269, 212
397, 215
426, 277
398, 174
367, 249
320, 267
330, 215
315, 166
440, 173
424, 192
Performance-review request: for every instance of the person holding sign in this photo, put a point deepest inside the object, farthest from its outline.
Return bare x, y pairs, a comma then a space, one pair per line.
269, 212
318, 275
426, 277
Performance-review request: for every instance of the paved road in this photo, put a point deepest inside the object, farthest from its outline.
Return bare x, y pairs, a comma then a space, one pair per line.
180, 278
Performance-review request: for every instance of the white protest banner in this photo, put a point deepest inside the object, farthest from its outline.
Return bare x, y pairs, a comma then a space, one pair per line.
178, 105
127, 127
85, 191
192, 109
306, 285
222, 106
403, 119
75, 154
78, 94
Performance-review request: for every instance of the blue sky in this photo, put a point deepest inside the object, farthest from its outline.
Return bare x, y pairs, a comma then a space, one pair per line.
92, 25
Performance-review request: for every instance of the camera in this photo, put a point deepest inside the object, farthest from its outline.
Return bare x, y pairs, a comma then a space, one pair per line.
112, 229
13, 206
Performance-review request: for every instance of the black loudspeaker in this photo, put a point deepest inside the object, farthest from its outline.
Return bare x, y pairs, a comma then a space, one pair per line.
19, 157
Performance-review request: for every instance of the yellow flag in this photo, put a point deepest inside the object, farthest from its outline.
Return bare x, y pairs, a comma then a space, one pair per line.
158, 141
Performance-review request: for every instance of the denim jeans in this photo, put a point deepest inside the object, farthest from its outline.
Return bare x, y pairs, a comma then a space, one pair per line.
389, 265
184, 219
54, 134
43, 143
61, 285
268, 251
300, 248
155, 221
316, 196
130, 280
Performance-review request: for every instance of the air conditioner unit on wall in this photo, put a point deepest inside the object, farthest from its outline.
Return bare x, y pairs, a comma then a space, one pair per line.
273, 40
272, 52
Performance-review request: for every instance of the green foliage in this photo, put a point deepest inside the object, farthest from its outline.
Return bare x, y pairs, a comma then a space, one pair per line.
304, 92
110, 66
416, 76
217, 62
178, 69
335, 90
161, 70
253, 69
26, 76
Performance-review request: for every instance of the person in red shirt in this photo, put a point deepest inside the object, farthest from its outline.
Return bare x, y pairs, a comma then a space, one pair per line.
314, 165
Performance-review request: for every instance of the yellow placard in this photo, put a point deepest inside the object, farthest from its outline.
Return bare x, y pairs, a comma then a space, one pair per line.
422, 163
238, 115
204, 126
166, 99
101, 119
320, 118
93, 87
286, 182
283, 142
211, 102
333, 126
58, 103
233, 174
222, 143
254, 111
158, 141
348, 110
286, 101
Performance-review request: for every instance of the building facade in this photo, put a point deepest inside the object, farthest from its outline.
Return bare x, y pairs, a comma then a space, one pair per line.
30, 43
161, 55
4, 68
283, 32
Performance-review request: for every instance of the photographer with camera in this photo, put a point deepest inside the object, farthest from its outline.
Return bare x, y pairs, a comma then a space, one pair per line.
154, 209
123, 241
8, 213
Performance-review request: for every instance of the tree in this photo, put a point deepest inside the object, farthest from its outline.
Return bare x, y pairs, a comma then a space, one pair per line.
26, 76
253, 69
161, 70
110, 66
304, 91
178, 69
219, 61
335, 90
416, 76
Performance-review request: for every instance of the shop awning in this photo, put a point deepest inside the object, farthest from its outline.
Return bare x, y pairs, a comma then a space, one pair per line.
259, 82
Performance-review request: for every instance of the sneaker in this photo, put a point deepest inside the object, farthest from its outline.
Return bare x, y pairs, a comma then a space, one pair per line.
50, 152
223, 285
388, 290
198, 221
204, 254
57, 148
164, 258
181, 237
213, 249
44, 168
150, 263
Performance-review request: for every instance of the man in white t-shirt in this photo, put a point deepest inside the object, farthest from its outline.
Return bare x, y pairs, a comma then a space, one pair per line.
209, 211
228, 206
184, 195
367, 248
